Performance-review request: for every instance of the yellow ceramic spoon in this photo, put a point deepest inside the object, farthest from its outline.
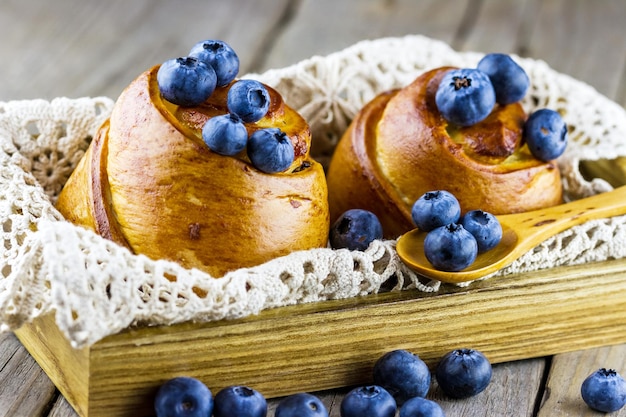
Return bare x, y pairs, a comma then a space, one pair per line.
520, 233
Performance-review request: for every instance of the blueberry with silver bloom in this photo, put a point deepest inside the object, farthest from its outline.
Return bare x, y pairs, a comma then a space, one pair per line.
368, 401
510, 81
604, 390
435, 209
248, 99
219, 55
545, 132
465, 96
403, 374
421, 407
186, 81
183, 397
240, 401
225, 134
463, 373
301, 405
270, 150
355, 229
485, 228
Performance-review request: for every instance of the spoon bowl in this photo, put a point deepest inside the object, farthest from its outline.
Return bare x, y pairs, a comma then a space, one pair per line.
520, 233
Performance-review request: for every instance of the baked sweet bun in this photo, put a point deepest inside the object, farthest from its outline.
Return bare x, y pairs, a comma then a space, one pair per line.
399, 147
149, 182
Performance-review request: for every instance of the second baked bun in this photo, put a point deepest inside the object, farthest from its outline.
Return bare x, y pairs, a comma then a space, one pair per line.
149, 182
399, 147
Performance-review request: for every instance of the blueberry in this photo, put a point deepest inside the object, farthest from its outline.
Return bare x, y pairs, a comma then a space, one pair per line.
239, 401
465, 96
421, 407
545, 132
604, 390
270, 150
450, 248
355, 229
485, 228
435, 209
463, 373
186, 81
183, 397
225, 134
301, 405
368, 401
248, 99
403, 374
219, 55
510, 81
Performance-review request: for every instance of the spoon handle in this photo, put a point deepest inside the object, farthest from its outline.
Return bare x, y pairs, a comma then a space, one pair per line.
535, 226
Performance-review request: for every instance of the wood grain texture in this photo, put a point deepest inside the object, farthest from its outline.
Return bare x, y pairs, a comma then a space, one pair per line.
318, 346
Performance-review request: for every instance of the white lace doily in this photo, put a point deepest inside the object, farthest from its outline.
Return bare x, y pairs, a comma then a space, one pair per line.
97, 288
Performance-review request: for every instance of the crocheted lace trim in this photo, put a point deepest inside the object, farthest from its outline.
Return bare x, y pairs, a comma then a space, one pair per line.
96, 288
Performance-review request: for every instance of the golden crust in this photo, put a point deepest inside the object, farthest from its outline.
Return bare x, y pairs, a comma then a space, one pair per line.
161, 192
399, 147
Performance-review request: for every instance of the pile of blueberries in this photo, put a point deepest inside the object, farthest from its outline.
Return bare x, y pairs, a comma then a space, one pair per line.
191, 80
401, 380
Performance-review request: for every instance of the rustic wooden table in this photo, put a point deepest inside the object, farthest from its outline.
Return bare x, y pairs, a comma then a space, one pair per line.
81, 48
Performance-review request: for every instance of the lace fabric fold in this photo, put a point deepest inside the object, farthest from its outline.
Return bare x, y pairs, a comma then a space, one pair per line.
96, 288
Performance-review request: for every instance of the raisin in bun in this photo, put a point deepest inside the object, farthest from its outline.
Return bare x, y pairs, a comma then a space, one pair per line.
149, 182
399, 146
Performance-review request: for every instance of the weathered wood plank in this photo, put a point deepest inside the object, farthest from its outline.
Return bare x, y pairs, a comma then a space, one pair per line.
321, 27
568, 371
25, 390
81, 48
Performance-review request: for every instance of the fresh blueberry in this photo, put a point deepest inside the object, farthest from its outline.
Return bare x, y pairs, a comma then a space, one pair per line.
301, 405
463, 373
435, 209
248, 99
368, 401
219, 55
465, 96
270, 150
485, 228
421, 407
604, 390
545, 132
509, 80
239, 401
183, 397
225, 134
403, 374
355, 229
450, 248
186, 81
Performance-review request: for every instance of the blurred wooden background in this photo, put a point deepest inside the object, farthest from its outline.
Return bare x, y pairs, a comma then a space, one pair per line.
77, 48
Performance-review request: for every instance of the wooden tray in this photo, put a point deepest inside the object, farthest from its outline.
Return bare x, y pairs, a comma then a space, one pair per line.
333, 344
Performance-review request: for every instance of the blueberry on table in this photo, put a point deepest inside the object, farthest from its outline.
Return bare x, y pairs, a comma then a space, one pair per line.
186, 81
463, 373
485, 228
403, 374
604, 390
465, 96
435, 209
450, 248
239, 401
421, 407
545, 132
368, 401
270, 150
355, 229
301, 405
219, 55
183, 397
225, 134
248, 99
510, 81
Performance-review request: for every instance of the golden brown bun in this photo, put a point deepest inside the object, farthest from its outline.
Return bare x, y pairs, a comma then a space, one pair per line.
400, 147
149, 182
